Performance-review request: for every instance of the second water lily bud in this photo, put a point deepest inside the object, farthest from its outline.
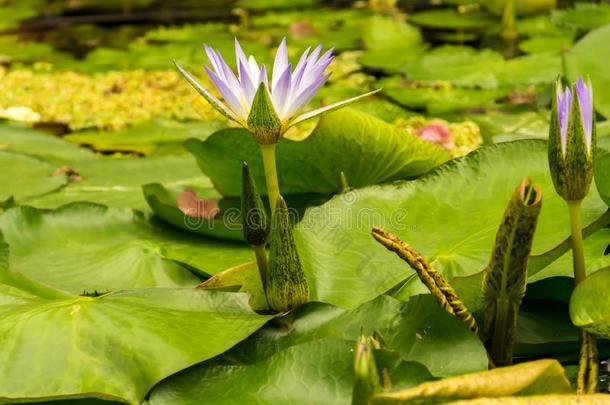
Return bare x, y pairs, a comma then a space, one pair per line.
286, 285
572, 139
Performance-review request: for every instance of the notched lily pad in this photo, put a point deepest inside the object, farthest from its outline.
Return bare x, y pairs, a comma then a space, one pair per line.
27, 176
147, 335
366, 149
89, 247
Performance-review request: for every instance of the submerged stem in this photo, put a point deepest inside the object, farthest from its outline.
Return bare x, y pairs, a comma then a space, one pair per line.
273, 187
588, 370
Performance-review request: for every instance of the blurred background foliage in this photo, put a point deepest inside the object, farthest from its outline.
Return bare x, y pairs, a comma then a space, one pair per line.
105, 66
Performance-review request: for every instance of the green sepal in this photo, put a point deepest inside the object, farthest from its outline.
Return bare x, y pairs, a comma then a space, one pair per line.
286, 284
263, 122
254, 218
505, 277
367, 381
572, 170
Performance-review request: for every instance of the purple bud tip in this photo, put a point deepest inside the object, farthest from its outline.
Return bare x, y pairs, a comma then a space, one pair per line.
564, 107
584, 92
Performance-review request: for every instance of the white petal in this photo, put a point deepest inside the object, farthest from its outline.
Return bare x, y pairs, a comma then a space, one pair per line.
234, 100
279, 93
280, 62
299, 100
253, 67
217, 104
327, 109
247, 84
240, 56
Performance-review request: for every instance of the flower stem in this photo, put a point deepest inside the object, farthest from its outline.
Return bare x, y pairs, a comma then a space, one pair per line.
578, 255
273, 187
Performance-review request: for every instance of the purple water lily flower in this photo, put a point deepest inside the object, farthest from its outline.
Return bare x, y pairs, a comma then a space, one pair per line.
584, 94
289, 89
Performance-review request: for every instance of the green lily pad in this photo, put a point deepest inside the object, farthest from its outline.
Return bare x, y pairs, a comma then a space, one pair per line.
118, 182
544, 329
451, 19
544, 44
590, 304
228, 225
146, 336
418, 330
28, 176
286, 378
345, 141
596, 257
584, 16
467, 67
587, 58
385, 36
157, 137
13, 50
438, 99
88, 247
42, 145
502, 127
451, 216
602, 179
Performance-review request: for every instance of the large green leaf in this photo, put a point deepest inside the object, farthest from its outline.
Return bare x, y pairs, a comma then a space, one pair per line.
164, 204
87, 247
596, 257
27, 176
116, 346
158, 137
468, 67
588, 58
602, 176
41, 145
452, 19
418, 330
367, 149
584, 16
384, 36
451, 216
590, 304
319, 372
118, 182
438, 99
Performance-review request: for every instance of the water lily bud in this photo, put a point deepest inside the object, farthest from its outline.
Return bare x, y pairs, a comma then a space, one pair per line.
505, 278
255, 222
263, 121
286, 285
572, 140
367, 376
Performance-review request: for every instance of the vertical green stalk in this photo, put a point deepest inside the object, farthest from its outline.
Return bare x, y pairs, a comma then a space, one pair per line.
578, 255
273, 187
509, 21
588, 370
